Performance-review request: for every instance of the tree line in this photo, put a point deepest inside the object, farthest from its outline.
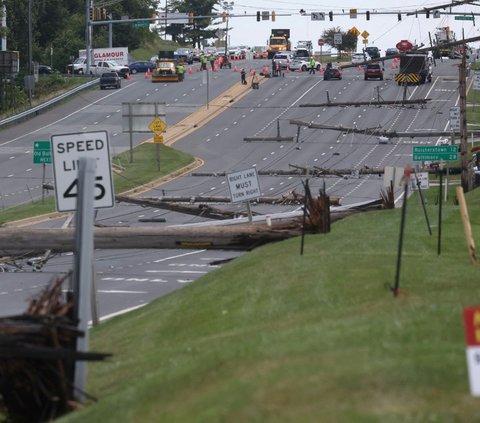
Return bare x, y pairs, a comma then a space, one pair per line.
58, 27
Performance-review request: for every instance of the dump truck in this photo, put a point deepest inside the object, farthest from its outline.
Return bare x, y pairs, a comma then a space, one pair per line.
279, 42
414, 69
166, 67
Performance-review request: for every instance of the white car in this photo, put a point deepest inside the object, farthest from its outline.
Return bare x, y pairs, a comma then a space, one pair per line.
358, 58
303, 64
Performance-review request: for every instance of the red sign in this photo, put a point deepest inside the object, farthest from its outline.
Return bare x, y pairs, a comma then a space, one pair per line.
404, 46
471, 319
321, 42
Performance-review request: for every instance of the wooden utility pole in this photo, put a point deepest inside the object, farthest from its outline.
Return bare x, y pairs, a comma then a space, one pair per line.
463, 122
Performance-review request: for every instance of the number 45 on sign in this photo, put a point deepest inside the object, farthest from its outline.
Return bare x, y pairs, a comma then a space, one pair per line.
67, 150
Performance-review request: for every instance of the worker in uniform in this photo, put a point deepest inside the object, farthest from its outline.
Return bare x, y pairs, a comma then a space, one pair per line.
203, 61
312, 65
211, 59
180, 71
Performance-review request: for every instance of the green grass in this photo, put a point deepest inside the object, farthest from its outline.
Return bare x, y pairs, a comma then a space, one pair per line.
142, 170
275, 337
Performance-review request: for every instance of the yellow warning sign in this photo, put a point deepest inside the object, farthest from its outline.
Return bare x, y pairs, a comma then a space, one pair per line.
158, 139
157, 126
355, 31
365, 34
365, 41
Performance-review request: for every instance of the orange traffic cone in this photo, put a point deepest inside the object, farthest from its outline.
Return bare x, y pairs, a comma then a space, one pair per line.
359, 68
235, 69
288, 69
128, 76
147, 73
190, 71
300, 69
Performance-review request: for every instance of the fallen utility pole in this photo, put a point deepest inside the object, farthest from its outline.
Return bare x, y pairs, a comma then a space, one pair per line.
378, 132
199, 210
239, 237
278, 139
367, 103
204, 199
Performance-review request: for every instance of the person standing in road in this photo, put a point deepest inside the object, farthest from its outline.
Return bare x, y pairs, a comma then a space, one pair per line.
211, 59
312, 64
243, 77
204, 60
180, 71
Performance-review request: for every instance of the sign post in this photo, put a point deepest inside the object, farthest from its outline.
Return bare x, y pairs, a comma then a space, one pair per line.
157, 126
67, 150
42, 154
244, 186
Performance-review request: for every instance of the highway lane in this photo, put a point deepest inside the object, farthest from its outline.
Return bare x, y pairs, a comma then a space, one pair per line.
97, 110
220, 143
124, 279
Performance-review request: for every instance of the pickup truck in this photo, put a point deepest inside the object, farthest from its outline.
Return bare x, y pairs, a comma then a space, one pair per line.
109, 66
110, 79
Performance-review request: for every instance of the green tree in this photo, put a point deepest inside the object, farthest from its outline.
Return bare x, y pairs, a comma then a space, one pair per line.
349, 39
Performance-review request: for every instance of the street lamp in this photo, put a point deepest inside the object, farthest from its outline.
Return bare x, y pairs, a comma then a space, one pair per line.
227, 6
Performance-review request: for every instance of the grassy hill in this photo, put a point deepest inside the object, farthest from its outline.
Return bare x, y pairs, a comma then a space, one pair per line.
278, 337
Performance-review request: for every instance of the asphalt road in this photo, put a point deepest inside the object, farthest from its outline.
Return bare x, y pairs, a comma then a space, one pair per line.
127, 279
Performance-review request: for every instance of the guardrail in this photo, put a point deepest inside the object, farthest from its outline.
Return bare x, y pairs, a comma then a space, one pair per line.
40, 107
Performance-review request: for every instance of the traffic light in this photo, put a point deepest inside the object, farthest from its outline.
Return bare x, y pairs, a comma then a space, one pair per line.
258, 16
367, 14
330, 16
399, 16
427, 14
91, 14
273, 15
190, 18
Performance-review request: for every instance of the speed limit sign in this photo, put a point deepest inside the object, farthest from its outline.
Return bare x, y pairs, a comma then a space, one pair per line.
67, 150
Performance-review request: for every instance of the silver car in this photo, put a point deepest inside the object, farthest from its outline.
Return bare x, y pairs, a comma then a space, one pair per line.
283, 59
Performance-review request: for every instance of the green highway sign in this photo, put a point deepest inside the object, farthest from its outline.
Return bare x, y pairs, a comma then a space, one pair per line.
144, 24
42, 152
432, 153
464, 18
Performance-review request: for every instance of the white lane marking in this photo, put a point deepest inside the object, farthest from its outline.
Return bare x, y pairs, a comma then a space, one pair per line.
180, 255
118, 313
118, 291
176, 271
63, 118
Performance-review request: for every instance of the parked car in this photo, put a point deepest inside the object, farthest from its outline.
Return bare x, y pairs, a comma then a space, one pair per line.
302, 64
184, 54
110, 79
373, 52
44, 70
141, 66
374, 70
332, 72
283, 59
391, 51
358, 58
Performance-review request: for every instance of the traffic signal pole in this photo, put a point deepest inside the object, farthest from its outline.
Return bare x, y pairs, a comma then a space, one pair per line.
463, 122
